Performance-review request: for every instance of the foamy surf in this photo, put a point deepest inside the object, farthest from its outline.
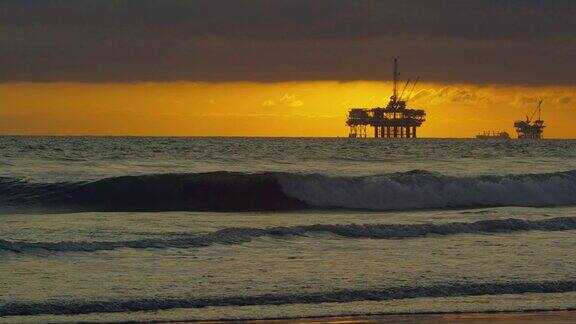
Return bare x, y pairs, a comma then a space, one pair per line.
422, 189
104, 229
237, 191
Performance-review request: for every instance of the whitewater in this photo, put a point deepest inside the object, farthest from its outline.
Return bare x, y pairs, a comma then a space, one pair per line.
119, 229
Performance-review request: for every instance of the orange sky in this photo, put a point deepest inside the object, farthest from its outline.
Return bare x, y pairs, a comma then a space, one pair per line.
266, 109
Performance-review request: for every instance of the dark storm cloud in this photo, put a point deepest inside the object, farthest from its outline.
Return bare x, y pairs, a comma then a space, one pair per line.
525, 42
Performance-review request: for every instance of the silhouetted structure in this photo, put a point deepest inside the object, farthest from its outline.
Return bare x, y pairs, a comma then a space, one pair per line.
528, 128
493, 134
393, 121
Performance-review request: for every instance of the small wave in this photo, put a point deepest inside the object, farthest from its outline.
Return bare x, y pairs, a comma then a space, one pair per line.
236, 191
340, 296
240, 235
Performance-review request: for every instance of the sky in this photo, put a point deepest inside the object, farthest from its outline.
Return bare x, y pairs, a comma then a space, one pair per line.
282, 67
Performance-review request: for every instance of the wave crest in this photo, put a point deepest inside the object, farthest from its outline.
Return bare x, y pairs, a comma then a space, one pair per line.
236, 191
339, 296
422, 189
213, 191
238, 235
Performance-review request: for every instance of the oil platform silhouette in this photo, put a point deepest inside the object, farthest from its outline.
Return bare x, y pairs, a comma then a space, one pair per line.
393, 121
529, 128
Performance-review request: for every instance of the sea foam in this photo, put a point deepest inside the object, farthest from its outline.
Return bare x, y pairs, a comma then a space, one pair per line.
236, 191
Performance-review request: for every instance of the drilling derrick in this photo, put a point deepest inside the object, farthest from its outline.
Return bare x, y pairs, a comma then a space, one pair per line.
529, 128
393, 121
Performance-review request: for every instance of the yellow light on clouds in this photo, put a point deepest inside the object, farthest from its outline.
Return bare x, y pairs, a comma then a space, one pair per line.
266, 109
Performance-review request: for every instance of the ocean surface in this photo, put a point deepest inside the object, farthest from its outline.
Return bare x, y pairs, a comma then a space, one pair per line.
120, 229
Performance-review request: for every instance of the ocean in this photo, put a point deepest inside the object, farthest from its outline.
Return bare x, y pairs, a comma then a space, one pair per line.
117, 229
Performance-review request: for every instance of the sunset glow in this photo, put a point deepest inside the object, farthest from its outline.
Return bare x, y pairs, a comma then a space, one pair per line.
312, 108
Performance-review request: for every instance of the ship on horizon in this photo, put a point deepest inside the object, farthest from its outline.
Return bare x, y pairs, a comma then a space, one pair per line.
493, 135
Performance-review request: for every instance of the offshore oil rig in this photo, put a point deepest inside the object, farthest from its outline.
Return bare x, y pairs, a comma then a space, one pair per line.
529, 128
393, 121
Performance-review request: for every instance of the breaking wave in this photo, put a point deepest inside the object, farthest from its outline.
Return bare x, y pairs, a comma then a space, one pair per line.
422, 189
240, 235
235, 191
340, 296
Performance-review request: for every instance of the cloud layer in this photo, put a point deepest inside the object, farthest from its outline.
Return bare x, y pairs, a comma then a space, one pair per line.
517, 42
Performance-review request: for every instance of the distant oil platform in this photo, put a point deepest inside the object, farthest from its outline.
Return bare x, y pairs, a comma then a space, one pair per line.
530, 128
393, 121
526, 129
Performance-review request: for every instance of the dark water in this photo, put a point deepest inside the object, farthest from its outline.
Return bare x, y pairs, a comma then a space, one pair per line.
136, 228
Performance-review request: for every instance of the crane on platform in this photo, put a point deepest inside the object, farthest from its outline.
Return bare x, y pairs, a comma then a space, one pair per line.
538, 109
530, 128
411, 90
395, 120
